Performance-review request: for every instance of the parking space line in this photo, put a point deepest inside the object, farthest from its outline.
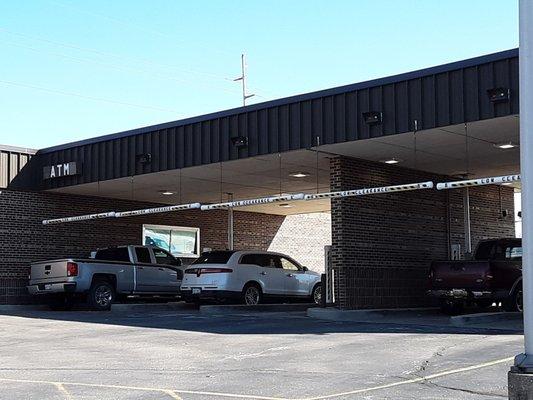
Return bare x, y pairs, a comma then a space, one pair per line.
146, 389
415, 380
174, 393
63, 390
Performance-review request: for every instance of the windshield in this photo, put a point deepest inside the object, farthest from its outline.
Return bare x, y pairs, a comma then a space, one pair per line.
214, 257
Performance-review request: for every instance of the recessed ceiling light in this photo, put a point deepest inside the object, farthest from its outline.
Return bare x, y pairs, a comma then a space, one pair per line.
286, 205
299, 174
166, 193
391, 161
506, 145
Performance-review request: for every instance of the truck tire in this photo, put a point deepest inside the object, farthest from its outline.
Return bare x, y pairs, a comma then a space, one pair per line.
452, 307
101, 295
513, 303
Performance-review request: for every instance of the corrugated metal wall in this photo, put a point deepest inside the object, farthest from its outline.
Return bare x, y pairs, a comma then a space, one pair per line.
12, 161
436, 97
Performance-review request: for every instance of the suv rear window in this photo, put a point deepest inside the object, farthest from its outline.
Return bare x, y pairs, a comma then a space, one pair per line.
214, 257
113, 254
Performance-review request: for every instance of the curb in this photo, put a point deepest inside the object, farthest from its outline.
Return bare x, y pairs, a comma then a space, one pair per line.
333, 314
261, 308
483, 318
119, 308
172, 306
22, 307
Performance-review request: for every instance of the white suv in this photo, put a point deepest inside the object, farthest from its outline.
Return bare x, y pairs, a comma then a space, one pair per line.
249, 276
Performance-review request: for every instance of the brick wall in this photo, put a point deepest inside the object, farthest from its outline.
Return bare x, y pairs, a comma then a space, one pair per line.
382, 245
24, 239
304, 236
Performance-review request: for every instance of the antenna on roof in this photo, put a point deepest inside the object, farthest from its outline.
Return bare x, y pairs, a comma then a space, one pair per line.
242, 78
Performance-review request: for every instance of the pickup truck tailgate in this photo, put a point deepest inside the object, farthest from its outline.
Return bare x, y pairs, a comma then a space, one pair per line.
460, 274
48, 270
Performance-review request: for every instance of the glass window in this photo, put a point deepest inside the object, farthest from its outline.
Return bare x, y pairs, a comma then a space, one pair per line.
179, 241
262, 260
485, 251
183, 242
113, 254
214, 257
252, 259
163, 257
269, 261
157, 237
143, 255
513, 253
288, 264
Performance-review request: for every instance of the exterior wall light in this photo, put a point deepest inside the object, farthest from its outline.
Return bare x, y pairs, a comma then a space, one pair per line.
145, 158
299, 174
373, 117
286, 205
166, 193
499, 94
239, 141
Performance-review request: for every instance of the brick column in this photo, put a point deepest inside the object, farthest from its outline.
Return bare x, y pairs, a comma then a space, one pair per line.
383, 244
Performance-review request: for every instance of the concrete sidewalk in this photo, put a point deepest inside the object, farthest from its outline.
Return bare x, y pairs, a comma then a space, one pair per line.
422, 316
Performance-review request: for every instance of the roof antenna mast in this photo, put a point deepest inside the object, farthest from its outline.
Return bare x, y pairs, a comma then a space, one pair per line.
242, 78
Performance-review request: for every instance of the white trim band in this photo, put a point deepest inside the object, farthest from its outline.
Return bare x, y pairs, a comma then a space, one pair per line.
79, 218
254, 202
494, 180
157, 210
376, 190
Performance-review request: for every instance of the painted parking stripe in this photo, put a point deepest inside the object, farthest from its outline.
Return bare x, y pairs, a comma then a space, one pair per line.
63, 390
415, 380
174, 392
146, 389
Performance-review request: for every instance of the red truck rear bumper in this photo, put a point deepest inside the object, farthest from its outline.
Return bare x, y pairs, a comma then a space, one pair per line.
460, 294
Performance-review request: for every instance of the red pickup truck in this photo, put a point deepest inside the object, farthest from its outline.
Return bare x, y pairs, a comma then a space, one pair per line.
494, 275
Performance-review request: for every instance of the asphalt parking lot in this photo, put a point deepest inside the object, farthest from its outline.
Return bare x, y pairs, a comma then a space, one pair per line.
182, 354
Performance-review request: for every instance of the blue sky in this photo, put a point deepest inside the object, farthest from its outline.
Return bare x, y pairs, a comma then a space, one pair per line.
71, 70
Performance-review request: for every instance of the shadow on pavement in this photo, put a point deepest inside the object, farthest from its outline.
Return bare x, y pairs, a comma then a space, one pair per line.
186, 317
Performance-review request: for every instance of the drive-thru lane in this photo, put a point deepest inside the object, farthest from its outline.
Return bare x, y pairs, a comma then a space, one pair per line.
183, 354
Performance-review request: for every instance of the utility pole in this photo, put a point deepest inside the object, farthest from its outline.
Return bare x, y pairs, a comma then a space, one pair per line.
520, 378
242, 78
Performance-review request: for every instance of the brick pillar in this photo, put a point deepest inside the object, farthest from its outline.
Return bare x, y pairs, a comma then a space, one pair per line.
383, 244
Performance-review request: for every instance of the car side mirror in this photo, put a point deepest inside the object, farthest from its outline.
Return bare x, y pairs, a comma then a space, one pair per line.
305, 269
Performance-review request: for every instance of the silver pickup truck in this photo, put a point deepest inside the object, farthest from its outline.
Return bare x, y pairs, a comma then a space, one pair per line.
111, 272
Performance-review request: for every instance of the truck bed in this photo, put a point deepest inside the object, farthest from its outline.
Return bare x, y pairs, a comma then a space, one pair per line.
49, 270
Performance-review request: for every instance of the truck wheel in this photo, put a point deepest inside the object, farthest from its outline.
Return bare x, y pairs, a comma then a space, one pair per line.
514, 301
101, 295
451, 307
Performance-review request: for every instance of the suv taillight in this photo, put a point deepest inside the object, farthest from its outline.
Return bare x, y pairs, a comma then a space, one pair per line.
200, 271
213, 271
72, 269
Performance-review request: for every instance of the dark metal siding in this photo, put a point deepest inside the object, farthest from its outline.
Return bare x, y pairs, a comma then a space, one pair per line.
12, 162
439, 96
